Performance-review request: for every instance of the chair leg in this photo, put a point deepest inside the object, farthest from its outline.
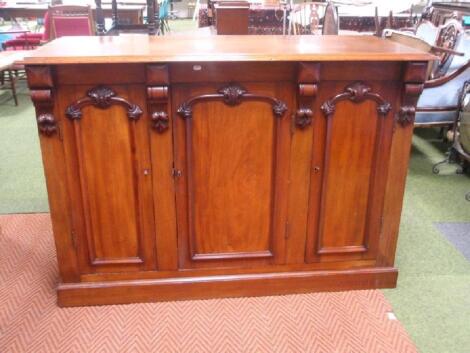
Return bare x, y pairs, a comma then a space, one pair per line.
451, 158
435, 167
13, 86
441, 133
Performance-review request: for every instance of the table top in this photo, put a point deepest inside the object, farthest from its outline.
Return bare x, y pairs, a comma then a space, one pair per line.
141, 48
9, 57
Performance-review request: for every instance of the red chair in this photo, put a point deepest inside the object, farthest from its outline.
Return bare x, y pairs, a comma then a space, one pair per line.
68, 20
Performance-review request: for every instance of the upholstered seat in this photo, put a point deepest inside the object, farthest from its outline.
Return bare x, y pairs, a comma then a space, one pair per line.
439, 100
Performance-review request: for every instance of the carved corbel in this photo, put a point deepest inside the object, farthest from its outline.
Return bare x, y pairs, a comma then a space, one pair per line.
407, 112
308, 78
41, 85
157, 97
42, 100
414, 76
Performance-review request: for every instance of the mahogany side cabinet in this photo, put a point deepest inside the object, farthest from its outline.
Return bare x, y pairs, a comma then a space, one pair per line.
184, 168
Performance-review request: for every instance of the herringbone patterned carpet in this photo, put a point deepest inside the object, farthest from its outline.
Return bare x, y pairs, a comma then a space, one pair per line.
31, 322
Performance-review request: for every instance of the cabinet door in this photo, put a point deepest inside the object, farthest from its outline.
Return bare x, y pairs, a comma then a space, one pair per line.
232, 153
106, 143
350, 159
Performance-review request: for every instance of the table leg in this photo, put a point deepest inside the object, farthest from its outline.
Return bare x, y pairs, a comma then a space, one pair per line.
100, 28
13, 86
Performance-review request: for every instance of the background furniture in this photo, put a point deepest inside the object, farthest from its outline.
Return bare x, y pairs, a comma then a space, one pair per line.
221, 167
440, 12
119, 26
127, 14
9, 71
439, 102
462, 139
304, 18
231, 17
70, 20
23, 40
460, 149
268, 18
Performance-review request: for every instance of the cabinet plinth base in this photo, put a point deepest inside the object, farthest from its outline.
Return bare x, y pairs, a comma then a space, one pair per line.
222, 286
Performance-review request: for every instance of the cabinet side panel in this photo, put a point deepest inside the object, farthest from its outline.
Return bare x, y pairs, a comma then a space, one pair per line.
41, 81
59, 203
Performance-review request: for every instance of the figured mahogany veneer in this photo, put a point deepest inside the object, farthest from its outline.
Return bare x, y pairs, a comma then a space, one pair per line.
258, 173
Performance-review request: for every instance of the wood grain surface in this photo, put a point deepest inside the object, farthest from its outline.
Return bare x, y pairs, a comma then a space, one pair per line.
142, 48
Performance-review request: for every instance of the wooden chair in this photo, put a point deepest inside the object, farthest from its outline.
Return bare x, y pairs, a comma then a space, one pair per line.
305, 18
152, 27
70, 20
330, 20
440, 41
8, 80
9, 71
438, 104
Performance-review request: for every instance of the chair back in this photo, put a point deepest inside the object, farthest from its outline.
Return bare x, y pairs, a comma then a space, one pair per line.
462, 46
428, 32
70, 20
305, 18
448, 36
331, 20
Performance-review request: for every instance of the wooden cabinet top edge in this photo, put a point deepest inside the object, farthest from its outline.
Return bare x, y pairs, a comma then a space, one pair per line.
145, 49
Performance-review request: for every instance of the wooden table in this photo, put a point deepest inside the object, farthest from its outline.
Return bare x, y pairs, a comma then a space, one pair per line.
200, 167
131, 14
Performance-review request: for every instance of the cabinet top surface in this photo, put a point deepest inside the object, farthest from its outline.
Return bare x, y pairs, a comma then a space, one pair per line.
139, 48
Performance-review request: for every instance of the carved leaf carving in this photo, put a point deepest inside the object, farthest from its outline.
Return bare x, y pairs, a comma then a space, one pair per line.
406, 115
102, 97
185, 111
303, 118
279, 108
47, 124
231, 95
160, 121
357, 92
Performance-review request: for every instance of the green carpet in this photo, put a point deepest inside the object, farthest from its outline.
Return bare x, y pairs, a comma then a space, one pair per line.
432, 299
433, 295
22, 184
